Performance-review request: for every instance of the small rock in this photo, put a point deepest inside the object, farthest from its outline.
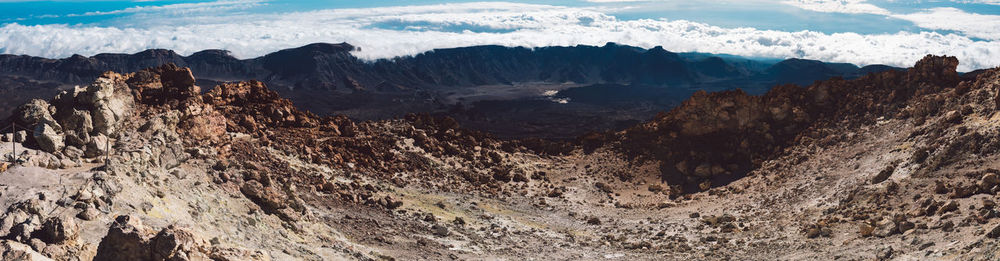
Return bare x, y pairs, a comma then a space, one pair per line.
948, 207
88, 214
994, 233
989, 181
947, 226
594, 221
866, 230
989, 204
884, 253
440, 230
221, 165
37, 244
885, 228
20, 136
940, 188
883, 175
178, 173
813, 232
84, 196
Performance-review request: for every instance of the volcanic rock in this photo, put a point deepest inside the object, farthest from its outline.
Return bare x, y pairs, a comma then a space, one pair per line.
55, 230
125, 241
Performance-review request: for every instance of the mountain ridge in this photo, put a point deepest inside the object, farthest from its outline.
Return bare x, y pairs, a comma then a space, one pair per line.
477, 81
79, 68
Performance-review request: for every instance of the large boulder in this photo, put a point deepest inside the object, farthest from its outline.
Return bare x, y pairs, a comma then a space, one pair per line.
97, 146
177, 244
125, 241
110, 101
47, 138
77, 127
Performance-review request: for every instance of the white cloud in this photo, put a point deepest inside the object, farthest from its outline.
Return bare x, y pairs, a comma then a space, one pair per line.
181, 8
988, 2
506, 24
947, 18
838, 6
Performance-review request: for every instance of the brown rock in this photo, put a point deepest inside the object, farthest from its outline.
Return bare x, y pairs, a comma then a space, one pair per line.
440, 230
176, 244
125, 241
883, 175
948, 207
270, 199
994, 233
55, 230
988, 181
866, 230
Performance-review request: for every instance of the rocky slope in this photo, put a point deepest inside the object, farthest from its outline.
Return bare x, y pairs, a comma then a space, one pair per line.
893, 165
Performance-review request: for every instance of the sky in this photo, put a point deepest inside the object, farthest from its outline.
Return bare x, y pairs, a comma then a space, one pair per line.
892, 32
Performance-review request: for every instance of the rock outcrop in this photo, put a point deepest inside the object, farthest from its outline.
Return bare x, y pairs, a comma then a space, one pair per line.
73, 117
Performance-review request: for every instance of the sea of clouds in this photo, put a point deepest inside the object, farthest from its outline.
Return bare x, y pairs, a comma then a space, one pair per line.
386, 32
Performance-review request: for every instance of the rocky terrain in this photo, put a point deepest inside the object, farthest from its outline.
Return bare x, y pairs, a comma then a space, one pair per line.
895, 165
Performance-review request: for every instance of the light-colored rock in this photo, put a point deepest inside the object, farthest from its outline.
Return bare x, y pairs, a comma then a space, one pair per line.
21, 136
110, 99
47, 137
11, 250
77, 127
97, 146
72, 152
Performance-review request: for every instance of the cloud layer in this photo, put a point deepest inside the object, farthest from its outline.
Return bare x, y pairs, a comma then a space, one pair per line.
395, 31
947, 18
838, 6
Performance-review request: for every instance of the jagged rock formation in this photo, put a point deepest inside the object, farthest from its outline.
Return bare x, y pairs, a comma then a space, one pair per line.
73, 118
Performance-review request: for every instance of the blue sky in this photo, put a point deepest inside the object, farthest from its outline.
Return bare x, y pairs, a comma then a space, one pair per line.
856, 31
